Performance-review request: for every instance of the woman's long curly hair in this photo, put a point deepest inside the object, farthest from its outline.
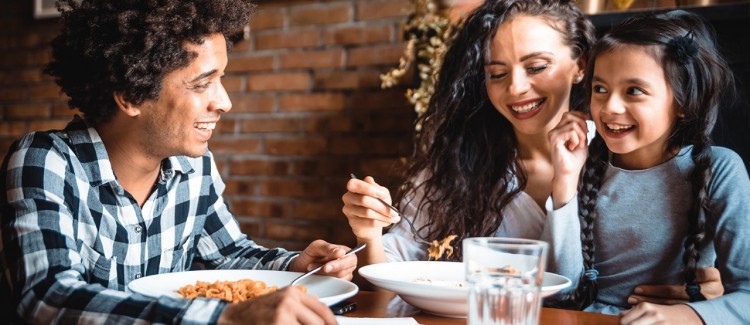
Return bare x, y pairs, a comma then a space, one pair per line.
465, 162
128, 46
699, 78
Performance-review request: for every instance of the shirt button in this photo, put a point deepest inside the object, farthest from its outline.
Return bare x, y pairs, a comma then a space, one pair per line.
138, 229
138, 275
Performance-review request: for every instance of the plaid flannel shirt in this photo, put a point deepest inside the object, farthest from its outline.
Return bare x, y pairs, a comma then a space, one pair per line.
73, 238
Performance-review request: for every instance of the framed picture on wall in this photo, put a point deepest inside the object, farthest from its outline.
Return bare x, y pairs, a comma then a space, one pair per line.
45, 9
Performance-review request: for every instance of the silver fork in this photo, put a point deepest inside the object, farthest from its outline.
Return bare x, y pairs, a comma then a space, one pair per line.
417, 236
317, 269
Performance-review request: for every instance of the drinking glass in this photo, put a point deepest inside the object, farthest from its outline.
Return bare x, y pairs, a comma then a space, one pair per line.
505, 279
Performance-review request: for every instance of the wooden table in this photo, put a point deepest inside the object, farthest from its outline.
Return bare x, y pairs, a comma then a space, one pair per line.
376, 304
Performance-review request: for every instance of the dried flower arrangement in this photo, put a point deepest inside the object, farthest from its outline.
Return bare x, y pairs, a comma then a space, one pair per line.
427, 33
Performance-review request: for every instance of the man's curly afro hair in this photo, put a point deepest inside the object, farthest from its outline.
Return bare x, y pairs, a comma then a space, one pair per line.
128, 46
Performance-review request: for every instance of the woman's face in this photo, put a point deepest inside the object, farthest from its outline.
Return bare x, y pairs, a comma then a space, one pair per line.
529, 74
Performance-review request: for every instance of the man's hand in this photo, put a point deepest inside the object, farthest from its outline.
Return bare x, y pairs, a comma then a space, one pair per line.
647, 314
323, 253
287, 306
708, 278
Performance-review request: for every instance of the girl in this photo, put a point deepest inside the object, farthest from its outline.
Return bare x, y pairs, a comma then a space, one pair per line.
656, 200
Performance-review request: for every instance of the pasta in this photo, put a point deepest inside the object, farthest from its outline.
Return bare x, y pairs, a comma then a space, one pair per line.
439, 248
232, 291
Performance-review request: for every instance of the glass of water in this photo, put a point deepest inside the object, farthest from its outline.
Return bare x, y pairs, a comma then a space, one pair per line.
505, 279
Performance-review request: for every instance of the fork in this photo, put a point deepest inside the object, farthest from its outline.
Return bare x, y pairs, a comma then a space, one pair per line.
417, 236
317, 269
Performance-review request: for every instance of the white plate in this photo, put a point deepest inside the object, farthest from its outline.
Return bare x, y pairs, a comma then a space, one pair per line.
328, 289
437, 299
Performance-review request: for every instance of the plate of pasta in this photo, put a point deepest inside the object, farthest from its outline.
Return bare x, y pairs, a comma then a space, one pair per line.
238, 285
437, 287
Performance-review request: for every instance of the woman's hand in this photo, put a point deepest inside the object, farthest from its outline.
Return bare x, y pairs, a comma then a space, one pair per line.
367, 216
708, 278
569, 148
320, 253
286, 306
648, 313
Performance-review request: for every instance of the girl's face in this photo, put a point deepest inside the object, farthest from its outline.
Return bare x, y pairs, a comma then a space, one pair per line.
530, 73
632, 106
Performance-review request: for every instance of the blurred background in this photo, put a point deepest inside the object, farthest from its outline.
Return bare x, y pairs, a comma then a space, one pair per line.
308, 107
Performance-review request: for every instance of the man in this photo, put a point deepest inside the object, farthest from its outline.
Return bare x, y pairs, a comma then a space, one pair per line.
131, 189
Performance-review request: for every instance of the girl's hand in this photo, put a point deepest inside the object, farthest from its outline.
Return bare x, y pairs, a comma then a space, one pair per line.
648, 313
367, 216
708, 278
569, 147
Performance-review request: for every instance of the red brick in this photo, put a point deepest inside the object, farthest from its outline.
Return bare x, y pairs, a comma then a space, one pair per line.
346, 80
240, 187
258, 208
320, 15
12, 129
383, 168
267, 19
358, 35
376, 145
390, 99
234, 146
286, 39
232, 84
250, 228
12, 93
321, 210
328, 124
268, 125
245, 64
241, 46
64, 111
252, 104
295, 146
312, 102
389, 123
376, 55
27, 111
27, 76
291, 188
307, 233
325, 167
279, 81
31, 40
310, 59
47, 91
226, 126
256, 167
32, 58
47, 125
369, 10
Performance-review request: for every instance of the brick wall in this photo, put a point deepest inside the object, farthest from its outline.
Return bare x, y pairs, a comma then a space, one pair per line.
308, 109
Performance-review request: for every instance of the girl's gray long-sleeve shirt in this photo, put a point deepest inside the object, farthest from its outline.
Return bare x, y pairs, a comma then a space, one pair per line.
641, 225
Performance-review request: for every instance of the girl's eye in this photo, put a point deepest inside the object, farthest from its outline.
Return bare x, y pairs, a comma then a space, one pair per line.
635, 91
598, 89
537, 69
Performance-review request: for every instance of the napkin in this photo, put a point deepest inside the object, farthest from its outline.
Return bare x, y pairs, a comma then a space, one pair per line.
343, 320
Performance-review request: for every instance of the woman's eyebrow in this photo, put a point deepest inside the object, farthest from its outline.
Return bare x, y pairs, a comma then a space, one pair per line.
523, 58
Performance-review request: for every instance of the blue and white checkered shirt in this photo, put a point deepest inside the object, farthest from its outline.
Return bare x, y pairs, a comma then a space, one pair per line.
73, 238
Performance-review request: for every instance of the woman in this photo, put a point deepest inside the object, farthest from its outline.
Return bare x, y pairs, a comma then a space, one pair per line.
482, 166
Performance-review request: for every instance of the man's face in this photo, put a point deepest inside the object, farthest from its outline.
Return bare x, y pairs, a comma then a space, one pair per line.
191, 101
